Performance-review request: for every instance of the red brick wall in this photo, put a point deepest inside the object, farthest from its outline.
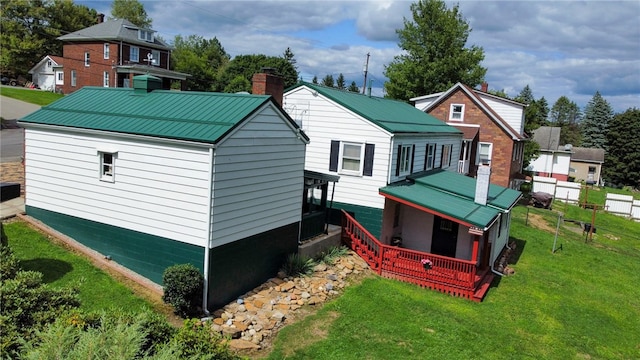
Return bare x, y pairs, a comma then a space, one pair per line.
502, 166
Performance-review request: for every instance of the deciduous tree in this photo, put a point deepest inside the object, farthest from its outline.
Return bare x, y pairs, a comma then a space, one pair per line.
435, 55
132, 10
203, 59
248, 65
597, 115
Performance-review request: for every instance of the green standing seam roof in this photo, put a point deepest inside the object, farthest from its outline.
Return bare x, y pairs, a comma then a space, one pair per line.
456, 200
392, 115
182, 115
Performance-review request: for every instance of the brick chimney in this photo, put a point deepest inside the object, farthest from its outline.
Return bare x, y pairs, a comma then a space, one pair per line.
100, 19
268, 83
484, 87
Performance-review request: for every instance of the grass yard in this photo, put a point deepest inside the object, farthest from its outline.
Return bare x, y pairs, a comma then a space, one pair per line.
583, 302
32, 96
60, 267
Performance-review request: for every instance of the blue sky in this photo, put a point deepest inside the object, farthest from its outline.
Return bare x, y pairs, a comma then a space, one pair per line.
558, 48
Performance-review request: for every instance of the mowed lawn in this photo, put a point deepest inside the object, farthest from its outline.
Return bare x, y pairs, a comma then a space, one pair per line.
582, 302
33, 96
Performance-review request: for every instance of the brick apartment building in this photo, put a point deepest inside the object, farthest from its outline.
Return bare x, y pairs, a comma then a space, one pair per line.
493, 130
110, 54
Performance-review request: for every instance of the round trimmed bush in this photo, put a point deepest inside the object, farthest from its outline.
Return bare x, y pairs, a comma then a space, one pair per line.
183, 287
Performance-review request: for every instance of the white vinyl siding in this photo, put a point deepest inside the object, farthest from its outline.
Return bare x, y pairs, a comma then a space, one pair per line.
159, 189
436, 142
512, 114
258, 179
326, 121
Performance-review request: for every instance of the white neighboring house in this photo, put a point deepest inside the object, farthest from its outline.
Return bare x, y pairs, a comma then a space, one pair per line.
154, 178
369, 142
47, 73
554, 159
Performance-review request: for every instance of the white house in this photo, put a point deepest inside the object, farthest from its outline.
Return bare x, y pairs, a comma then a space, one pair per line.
154, 178
46, 72
554, 159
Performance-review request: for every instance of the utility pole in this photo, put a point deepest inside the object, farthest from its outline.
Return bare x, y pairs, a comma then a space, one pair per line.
366, 69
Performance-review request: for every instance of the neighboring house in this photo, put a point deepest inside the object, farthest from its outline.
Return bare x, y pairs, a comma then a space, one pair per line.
493, 130
45, 72
369, 142
554, 159
586, 165
111, 53
153, 178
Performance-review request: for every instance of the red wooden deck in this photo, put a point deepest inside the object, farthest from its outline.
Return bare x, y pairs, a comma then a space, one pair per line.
449, 275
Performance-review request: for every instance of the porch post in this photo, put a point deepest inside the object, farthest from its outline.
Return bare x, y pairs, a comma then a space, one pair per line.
474, 253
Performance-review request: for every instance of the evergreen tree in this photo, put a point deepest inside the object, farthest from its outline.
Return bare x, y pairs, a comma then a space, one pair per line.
314, 80
534, 116
622, 159
328, 81
435, 56
340, 82
131, 10
353, 87
566, 115
597, 115
249, 65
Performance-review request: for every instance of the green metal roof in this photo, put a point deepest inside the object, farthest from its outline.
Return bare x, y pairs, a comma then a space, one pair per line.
391, 115
452, 194
183, 115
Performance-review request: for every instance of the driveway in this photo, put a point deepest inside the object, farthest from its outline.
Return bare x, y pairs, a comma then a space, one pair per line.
12, 137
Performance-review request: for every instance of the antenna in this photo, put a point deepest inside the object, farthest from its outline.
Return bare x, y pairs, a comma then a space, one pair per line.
366, 69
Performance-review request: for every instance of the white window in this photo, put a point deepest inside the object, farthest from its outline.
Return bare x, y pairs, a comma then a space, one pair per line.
59, 78
430, 155
405, 160
134, 54
106, 51
86, 59
49, 63
456, 113
107, 165
73, 78
155, 57
445, 160
351, 158
145, 35
105, 81
484, 153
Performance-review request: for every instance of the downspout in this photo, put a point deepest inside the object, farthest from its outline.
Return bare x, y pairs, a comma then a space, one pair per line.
205, 292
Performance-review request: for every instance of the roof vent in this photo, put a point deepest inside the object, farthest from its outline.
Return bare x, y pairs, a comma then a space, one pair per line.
143, 84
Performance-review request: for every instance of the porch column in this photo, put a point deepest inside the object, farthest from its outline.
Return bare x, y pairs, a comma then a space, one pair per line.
474, 253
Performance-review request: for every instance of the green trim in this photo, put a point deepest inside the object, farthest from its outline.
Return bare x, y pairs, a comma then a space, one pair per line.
146, 254
369, 217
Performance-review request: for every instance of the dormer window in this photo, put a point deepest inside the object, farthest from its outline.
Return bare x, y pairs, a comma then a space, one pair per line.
456, 113
146, 35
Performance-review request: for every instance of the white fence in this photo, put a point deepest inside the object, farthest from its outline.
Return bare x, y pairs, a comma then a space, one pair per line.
562, 190
623, 205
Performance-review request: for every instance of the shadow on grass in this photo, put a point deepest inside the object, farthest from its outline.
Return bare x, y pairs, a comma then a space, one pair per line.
515, 255
51, 269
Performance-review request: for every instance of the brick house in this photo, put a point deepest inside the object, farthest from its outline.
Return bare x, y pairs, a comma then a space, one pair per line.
493, 130
110, 54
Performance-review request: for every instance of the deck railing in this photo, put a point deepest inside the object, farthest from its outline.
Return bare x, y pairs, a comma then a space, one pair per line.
446, 274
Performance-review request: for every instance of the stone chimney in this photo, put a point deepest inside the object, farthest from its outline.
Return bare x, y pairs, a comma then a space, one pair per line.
482, 185
484, 87
100, 19
268, 83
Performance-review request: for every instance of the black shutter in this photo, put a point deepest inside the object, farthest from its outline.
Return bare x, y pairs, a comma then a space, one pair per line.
441, 155
426, 157
413, 156
333, 157
368, 159
398, 160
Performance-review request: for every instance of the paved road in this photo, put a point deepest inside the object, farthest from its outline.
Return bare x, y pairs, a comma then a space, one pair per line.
12, 140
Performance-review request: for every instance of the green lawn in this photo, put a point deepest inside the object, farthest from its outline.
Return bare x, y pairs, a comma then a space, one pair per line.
61, 267
583, 302
37, 97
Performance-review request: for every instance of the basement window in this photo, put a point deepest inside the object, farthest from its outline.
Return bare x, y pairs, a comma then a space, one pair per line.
107, 165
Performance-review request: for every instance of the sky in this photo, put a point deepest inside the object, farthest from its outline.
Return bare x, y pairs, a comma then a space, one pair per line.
558, 48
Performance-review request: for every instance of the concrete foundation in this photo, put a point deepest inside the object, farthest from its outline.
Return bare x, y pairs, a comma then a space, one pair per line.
320, 243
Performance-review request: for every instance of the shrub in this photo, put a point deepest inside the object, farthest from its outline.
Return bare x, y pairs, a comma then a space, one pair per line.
298, 265
197, 341
330, 255
183, 287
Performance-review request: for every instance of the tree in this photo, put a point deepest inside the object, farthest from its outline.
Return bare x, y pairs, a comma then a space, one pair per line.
622, 159
328, 81
340, 82
535, 115
203, 59
597, 115
314, 80
435, 57
131, 10
353, 87
248, 65
30, 30
566, 115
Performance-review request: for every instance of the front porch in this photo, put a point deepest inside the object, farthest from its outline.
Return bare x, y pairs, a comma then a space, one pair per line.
448, 275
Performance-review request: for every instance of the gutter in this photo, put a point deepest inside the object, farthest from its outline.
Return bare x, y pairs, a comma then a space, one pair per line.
207, 245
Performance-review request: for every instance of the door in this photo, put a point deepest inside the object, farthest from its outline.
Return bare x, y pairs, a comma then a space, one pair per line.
445, 237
